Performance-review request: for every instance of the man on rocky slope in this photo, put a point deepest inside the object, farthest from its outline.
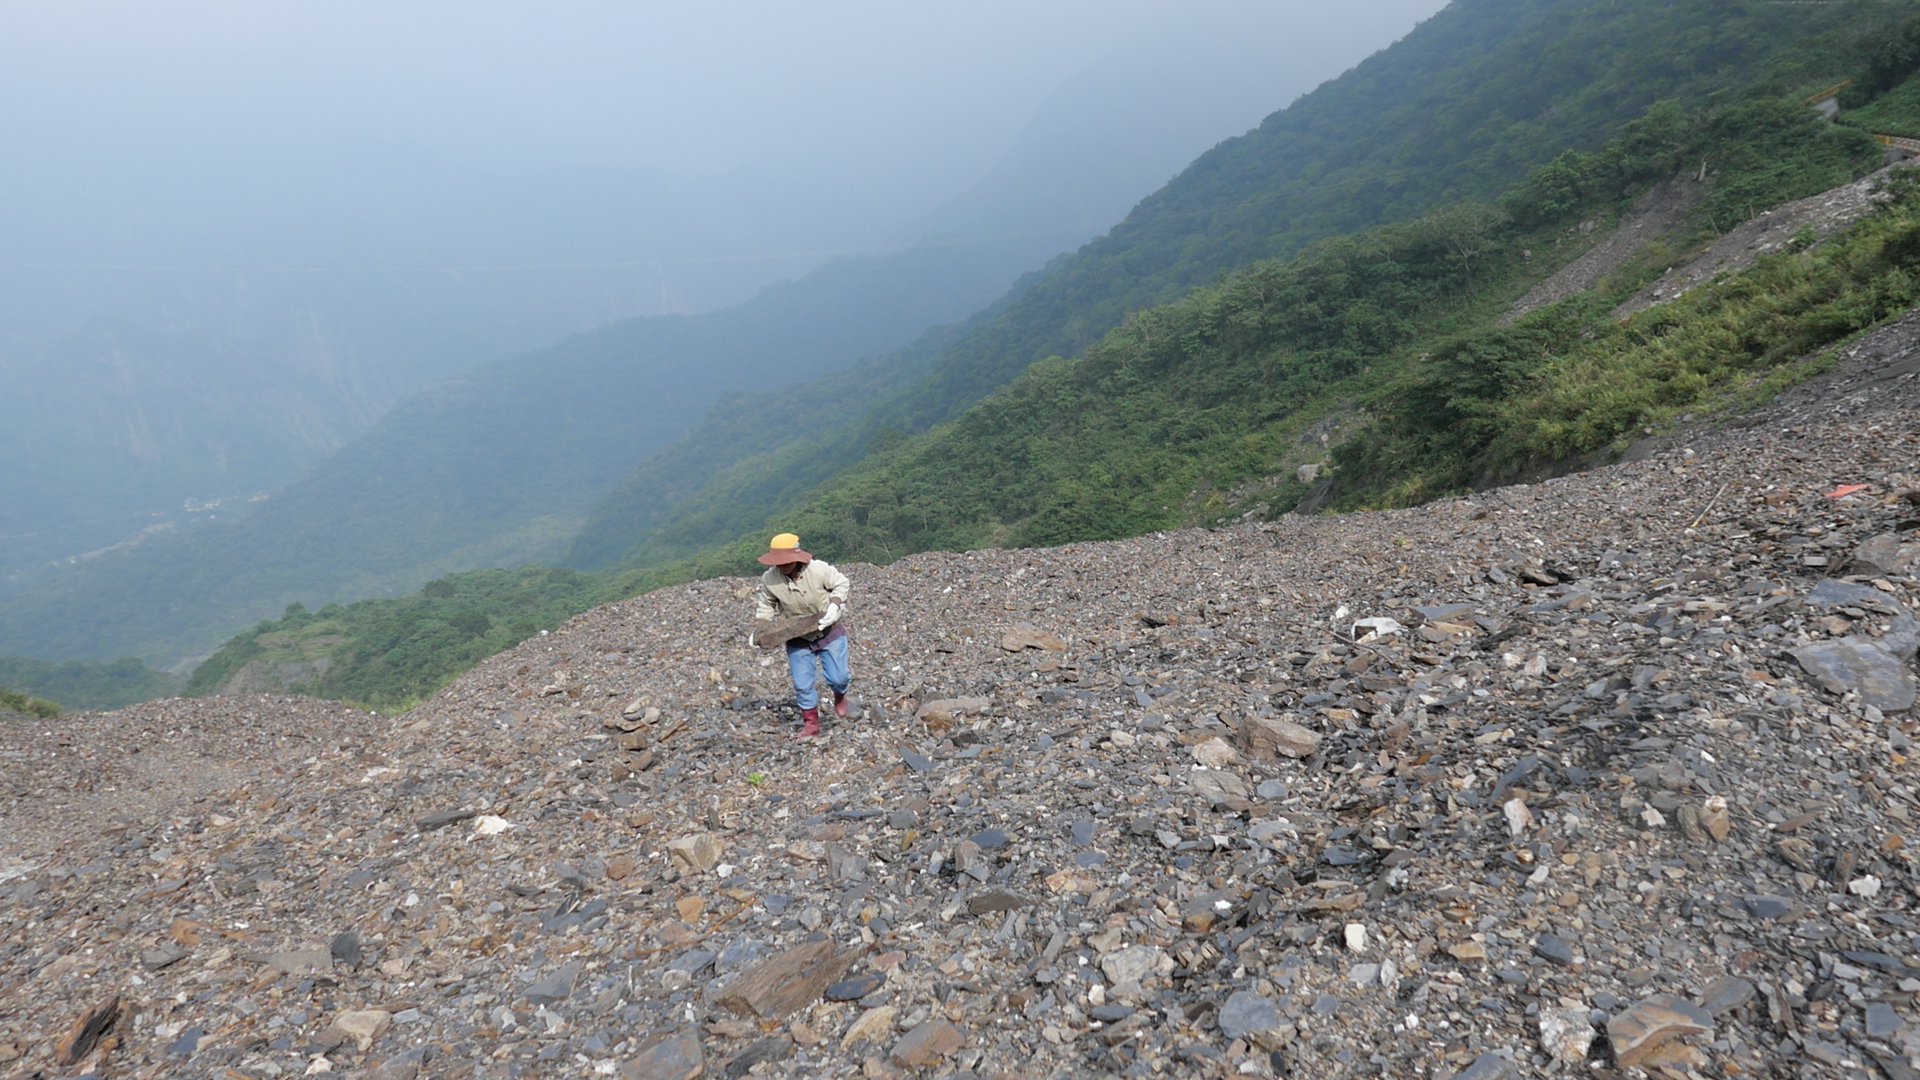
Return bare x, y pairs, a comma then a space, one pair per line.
801, 586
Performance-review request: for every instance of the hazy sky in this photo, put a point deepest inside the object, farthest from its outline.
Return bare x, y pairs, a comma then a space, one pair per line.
904, 102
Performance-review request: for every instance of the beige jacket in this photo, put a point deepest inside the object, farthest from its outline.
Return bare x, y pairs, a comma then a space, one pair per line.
808, 593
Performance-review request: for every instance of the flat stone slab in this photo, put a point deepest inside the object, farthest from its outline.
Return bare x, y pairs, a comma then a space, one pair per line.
1492, 1065
932, 1041
1902, 638
677, 1058
1217, 785
1648, 1025
774, 633
1725, 994
1554, 949
1440, 612
1135, 963
1882, 1021
1247, 1013
555, 987
996, 900
1271, 737
1028, 636
788, 982
1858, 664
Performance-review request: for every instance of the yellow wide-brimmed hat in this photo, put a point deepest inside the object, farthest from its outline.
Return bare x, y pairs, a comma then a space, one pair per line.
784, 549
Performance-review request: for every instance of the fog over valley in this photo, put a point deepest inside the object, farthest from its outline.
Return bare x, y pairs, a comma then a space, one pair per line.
233, 238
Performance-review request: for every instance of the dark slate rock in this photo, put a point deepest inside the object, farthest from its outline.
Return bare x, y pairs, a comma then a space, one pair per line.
857, 987
346, 948
996, 900
1725, 994
1083, 832
917, 762
991, 839
1521, 770
1554, 949
404, 1066
1110, 1014
155, 959
1490, 1066
555, 987
1856, 663
1903, 635
1247, 1013
691, 961
187, 1043
675, 1058
902, 819
1880, 961
442, 818
765, 1050
740, 953
1882, 1021
1768, 907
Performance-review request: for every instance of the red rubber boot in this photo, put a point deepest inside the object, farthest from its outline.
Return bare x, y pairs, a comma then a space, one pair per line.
839, 704
812, 725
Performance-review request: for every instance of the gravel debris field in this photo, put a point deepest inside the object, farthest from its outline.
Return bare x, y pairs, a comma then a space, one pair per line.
1609, 775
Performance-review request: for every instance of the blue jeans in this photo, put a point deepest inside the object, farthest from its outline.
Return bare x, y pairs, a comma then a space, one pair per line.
833, 661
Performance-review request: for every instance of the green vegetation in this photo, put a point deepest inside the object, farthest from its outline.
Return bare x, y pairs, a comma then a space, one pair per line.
21, 704
1156, 425
1350, 252
1891, 59
1458, 111
391, 652
1885, 97
496, 468
1896, 112
87, 684
1567, 381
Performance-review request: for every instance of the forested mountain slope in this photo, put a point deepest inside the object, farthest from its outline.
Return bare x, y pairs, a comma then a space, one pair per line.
1459, 109
493, 468
1390, 347
502, 464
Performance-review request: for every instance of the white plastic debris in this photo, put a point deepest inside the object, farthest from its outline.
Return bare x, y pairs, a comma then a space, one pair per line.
1378, 626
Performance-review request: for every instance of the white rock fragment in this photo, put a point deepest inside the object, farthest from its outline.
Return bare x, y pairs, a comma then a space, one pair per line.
1356, 937
1519, 818
1566, 1034
363, 1026
490, 825
1867, 886
1215, 754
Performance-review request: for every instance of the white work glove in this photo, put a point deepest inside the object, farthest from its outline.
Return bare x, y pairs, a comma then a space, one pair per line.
830, 616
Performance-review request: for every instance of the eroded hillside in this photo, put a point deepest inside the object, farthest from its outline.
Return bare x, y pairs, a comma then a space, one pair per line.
1141, 807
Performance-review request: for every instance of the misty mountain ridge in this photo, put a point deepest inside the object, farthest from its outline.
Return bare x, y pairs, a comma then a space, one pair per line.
1443, 96
995, 232
208, 336
1378, 367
